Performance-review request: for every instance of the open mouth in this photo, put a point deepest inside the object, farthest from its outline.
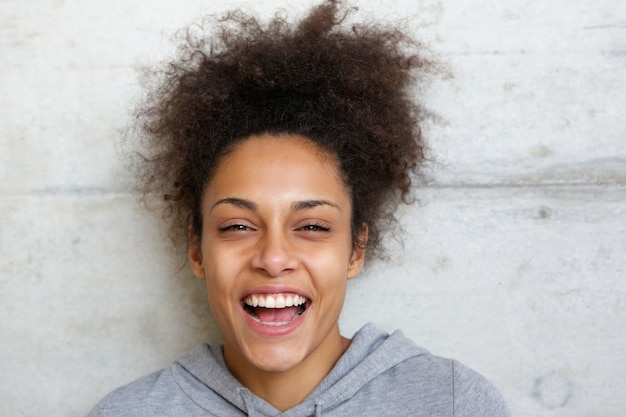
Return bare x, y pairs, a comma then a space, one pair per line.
275, 309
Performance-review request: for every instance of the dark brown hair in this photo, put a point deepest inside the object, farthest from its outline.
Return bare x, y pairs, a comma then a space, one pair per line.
347, 88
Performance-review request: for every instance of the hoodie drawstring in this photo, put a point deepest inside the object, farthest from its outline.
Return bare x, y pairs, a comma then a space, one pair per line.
249, 409
318, 408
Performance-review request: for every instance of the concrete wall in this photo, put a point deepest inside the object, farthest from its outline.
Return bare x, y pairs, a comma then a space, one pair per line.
513, 261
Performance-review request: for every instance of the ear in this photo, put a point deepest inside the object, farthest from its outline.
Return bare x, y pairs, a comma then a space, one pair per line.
357, 260
195, 254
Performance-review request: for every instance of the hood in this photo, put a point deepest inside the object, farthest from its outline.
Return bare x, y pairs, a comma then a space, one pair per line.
371, 353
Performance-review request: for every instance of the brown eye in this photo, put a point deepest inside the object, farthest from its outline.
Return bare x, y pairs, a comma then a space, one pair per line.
235, 228
315, 227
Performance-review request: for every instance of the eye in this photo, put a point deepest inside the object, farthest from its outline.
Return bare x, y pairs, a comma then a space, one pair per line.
235, 227
315, 227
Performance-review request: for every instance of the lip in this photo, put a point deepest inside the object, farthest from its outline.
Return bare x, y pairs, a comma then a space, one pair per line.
265, 330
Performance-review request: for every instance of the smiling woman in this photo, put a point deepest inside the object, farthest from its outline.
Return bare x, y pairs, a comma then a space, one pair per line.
282, 151
277, 233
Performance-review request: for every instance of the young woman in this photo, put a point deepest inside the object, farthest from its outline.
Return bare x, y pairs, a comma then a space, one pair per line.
282, 152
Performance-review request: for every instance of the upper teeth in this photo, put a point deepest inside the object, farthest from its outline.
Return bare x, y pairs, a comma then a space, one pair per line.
274, 300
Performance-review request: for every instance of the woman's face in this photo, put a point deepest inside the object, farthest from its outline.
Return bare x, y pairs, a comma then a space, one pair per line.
276, 252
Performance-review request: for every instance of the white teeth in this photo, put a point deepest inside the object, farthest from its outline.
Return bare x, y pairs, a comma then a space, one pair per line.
274, 300
280, 302
274, 323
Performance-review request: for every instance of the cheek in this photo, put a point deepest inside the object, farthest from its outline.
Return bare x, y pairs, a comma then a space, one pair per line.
329, 265
218, 274
220, 296
218, 279
225, 267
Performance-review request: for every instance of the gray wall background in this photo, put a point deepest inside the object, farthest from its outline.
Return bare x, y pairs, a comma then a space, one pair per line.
513, 262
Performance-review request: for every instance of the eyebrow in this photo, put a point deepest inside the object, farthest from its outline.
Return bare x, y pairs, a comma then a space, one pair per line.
308, 204
296, 206
237, 202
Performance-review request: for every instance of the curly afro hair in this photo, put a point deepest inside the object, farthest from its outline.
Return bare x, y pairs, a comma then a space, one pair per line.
347, 88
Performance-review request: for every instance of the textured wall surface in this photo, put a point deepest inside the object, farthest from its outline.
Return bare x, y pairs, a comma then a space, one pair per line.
514, 262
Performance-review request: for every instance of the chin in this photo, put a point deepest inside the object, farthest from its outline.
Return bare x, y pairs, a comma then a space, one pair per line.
275, 360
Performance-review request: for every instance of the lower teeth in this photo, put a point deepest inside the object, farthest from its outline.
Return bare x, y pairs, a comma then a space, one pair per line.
273, 323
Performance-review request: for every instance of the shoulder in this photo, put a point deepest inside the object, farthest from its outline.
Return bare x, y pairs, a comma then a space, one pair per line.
474, 394
465, 392
438, 385
138, 398
161, 393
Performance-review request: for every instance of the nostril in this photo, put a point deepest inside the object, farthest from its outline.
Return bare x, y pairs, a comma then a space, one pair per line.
274, 260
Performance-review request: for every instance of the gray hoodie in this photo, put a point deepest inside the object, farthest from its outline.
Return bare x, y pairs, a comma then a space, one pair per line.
379, 375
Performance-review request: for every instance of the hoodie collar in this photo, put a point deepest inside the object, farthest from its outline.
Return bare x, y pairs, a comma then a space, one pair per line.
371, 353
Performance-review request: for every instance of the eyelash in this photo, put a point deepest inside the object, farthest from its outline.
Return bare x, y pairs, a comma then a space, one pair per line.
238, 227
315, 227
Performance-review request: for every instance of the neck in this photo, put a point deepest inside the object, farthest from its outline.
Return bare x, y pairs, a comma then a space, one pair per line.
286, 389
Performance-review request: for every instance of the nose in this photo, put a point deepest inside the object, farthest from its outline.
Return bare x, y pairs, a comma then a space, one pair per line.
274, 255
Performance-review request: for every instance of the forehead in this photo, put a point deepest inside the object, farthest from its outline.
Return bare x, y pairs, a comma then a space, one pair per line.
276, 164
